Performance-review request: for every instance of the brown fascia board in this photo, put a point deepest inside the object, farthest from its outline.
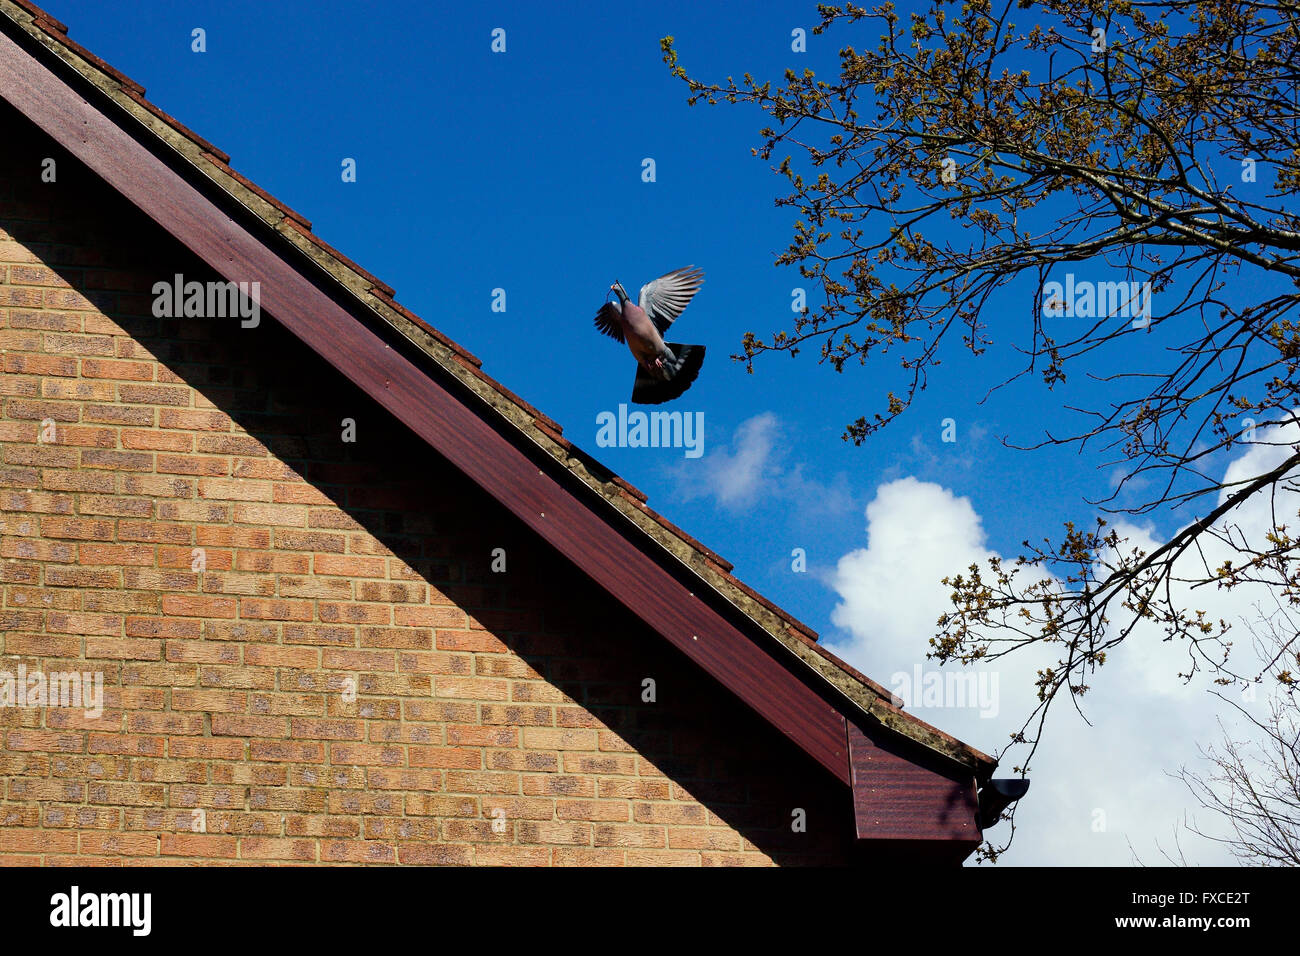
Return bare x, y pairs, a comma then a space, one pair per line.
796, 639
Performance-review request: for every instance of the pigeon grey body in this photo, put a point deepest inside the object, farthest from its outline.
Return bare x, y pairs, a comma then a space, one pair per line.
664, 369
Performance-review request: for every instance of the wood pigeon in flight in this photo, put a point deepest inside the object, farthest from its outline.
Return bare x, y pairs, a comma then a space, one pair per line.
663, 369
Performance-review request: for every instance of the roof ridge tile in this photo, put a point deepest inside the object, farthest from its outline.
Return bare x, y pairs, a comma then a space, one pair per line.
177, 125
57, 31
40, 14
385, 295
248, 184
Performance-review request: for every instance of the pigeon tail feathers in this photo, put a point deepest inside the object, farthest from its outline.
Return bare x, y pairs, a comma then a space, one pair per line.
682, 372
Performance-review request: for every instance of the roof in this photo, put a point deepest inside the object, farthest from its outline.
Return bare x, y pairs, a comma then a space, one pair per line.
594, 490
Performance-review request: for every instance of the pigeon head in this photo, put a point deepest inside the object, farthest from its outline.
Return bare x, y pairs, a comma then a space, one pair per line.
617, 289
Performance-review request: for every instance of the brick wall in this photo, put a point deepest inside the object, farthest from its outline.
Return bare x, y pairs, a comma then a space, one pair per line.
347, 681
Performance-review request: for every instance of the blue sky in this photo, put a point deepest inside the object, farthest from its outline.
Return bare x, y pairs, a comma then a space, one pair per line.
523, 171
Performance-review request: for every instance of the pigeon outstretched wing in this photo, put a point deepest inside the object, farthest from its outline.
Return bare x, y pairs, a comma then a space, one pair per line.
609, 321
666, 297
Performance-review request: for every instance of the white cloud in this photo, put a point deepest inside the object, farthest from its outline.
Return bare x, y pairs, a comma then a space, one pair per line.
751, 470
736, 476
929, 455
1146, 723
890, 591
